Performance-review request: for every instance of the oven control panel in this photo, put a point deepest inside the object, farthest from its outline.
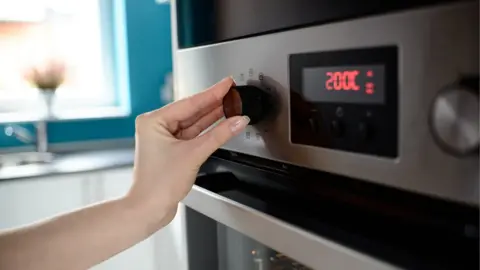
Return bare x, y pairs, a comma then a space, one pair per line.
346, 100
386, 99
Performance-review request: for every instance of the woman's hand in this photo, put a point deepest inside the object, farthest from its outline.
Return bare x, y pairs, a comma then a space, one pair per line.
168, 155
169, 150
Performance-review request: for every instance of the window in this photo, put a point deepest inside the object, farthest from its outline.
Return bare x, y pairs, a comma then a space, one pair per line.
77, 32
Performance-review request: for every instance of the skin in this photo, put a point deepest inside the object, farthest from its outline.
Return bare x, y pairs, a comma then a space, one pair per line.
169, 152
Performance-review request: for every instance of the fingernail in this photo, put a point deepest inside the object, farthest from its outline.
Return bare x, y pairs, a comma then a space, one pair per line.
224, 80
240, 123
229, 78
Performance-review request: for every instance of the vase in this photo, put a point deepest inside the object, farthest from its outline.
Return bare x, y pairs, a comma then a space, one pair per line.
48, 99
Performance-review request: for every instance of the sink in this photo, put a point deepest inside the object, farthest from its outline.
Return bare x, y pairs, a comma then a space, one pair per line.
25, 158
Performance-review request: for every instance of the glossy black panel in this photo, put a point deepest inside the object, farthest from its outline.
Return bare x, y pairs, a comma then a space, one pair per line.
408, 230
201, 22
355, 124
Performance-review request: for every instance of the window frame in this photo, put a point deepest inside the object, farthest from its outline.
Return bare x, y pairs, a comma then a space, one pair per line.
115, 69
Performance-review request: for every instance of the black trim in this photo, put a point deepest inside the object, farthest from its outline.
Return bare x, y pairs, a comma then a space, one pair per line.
198, 20
406, 229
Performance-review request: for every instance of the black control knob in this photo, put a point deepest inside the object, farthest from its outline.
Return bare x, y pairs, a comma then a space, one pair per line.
247, 100
313, 125
364, 131
454, 118
337, 128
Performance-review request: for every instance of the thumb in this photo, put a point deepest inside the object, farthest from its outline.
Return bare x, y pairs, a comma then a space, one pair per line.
213, 139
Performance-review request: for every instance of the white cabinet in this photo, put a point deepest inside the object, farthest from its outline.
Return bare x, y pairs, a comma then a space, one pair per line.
165, 249
114, 184
23, 202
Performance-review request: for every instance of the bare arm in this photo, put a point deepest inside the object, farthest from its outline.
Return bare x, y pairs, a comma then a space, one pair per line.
80, 239
169, 150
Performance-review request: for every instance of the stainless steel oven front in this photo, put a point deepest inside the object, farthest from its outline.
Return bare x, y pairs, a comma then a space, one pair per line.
373, 124
407, 134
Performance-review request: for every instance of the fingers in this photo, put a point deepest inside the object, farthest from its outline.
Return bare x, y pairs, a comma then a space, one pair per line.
192, 120
193, 130
209, 142
199, 104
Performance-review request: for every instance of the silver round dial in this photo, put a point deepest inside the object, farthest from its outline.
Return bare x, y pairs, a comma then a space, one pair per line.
454, 120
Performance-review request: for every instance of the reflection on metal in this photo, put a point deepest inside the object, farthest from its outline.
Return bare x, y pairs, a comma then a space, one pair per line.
309, 249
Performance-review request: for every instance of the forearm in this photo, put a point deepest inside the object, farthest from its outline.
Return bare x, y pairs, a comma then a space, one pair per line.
80, 239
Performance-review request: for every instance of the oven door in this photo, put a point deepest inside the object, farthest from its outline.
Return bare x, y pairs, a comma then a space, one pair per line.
225, 235
245, 216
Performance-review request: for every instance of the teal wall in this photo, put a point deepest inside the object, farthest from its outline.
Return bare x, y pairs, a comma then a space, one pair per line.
149, 60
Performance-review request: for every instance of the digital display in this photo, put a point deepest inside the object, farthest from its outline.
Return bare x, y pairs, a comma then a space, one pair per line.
344, 84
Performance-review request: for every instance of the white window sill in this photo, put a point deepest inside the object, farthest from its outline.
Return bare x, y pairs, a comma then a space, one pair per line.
77, 114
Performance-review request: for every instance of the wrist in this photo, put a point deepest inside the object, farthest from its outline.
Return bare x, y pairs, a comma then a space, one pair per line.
152, 215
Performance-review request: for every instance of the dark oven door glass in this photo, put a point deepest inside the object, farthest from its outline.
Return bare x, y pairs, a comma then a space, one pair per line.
242, 205
212, 245
201, 22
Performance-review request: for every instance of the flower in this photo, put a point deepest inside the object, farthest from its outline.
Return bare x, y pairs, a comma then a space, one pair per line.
48, 76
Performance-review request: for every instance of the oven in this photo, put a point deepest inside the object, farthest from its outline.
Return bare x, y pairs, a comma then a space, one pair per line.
363, 149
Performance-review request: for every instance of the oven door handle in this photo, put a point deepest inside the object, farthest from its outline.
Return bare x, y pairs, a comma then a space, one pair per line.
309, 249
217, 182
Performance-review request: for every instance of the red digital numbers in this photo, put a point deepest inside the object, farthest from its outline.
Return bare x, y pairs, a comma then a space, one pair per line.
342, 81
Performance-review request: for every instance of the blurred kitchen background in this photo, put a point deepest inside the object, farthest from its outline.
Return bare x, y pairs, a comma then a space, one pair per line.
117, 55
100, 63
74, 74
